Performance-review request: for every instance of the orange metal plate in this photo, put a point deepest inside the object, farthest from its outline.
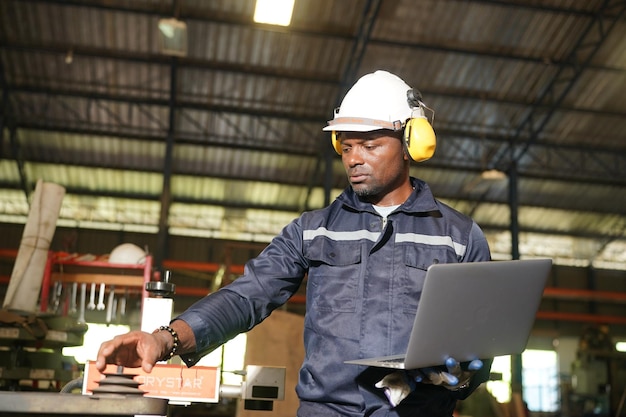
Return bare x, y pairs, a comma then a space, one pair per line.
173, 382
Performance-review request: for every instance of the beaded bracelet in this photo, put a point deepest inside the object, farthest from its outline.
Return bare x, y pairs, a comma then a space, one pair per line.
172, 352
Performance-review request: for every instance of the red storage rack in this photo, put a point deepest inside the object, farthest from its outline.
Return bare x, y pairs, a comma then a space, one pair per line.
97, 270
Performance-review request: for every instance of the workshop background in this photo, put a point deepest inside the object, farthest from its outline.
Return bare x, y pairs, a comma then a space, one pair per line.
193, 132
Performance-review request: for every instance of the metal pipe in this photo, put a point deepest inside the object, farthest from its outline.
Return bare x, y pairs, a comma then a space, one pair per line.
231, 391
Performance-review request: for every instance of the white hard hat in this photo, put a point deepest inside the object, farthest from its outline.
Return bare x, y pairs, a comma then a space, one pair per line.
376, 101
127, 253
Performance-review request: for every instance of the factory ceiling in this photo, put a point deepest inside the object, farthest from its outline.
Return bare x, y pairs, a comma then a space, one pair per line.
223, 138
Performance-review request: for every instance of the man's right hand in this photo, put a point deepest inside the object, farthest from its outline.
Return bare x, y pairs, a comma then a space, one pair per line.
133, 350
453, 378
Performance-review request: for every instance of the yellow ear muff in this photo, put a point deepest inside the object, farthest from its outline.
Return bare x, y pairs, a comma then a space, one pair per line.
336, 142
420, 139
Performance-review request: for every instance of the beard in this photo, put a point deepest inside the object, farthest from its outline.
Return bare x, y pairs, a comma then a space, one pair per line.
367, 193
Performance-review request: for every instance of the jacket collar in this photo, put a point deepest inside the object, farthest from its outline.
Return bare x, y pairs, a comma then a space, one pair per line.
420, 201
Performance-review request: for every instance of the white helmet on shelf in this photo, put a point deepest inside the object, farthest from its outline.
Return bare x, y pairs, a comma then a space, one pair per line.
127, 253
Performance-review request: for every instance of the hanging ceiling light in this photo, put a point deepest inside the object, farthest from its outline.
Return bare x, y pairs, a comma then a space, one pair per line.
493, 174
173, 37
274, 12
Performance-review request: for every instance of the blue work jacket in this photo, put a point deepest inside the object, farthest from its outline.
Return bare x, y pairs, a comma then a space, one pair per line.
364, 280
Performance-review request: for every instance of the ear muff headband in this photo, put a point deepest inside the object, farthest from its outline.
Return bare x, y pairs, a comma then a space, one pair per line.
419, 135
419, 138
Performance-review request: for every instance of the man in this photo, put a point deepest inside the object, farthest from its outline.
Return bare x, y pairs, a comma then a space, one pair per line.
365, 256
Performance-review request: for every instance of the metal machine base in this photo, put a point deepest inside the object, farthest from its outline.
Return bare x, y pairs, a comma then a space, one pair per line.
52, 404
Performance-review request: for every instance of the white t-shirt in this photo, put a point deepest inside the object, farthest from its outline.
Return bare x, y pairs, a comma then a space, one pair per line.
384, 211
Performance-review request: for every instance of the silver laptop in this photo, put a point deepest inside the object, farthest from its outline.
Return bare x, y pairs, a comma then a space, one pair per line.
469, 311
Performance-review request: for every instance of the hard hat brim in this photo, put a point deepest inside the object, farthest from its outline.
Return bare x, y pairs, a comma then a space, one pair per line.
361, 124
346, 127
